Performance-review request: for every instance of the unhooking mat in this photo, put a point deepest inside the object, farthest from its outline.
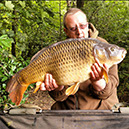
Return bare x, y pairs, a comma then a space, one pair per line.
66, 119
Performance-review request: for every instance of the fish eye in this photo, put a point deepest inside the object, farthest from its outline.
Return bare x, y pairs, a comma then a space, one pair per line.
112, 48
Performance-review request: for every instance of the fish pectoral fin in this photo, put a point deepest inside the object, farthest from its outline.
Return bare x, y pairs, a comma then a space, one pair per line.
72, 89
38, 84
105, 74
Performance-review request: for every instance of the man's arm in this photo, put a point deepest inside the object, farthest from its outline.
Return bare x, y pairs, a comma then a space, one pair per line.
110, 86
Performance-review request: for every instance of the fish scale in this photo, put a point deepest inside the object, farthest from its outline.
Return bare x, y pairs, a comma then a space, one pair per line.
68, 61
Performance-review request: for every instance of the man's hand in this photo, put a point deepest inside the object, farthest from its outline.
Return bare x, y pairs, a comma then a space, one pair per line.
50, 84
97, 78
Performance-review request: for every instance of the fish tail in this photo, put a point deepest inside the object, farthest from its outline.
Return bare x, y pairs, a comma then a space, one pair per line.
15, 89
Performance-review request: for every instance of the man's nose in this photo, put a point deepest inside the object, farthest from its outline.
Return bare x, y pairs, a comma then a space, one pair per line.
79, 31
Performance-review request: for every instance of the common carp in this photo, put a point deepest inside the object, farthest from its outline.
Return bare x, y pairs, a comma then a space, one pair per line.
68, 61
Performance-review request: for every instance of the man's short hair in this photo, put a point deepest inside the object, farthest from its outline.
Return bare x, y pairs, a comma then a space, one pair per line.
72, 11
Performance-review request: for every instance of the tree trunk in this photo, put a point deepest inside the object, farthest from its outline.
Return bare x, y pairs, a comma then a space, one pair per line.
13, 51
60, 19
80, 3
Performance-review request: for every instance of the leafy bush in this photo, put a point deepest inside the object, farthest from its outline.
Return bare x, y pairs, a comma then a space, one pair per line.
9, 65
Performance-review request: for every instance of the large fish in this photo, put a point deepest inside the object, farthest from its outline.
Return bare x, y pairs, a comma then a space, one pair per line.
69, 62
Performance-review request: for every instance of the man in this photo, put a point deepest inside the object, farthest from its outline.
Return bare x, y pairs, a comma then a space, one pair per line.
93, 93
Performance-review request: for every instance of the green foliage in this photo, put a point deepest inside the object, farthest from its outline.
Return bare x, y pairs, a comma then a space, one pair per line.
33, 25
9, 65
37, 24
5, 43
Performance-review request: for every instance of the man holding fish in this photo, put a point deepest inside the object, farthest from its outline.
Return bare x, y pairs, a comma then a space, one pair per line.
79, 73
94, 93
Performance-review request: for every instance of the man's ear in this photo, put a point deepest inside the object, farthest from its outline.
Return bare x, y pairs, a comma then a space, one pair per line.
65, 30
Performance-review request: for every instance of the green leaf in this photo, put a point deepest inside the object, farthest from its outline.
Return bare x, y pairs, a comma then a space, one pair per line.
10, 33
11, 73
1, 24
5, 41
13, 67
9, 5
126, 74
4, 79
22, 3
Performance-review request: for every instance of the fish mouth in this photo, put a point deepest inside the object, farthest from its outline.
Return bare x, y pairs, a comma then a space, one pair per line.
124, 53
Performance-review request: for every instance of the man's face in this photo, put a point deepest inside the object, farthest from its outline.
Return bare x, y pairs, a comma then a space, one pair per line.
77, 25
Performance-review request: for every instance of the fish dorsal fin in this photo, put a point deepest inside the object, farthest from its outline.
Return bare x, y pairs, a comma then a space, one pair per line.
72, 89
105, 74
